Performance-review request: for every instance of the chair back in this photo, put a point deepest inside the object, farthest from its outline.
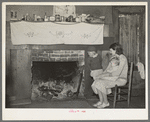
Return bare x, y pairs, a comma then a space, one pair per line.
130, 76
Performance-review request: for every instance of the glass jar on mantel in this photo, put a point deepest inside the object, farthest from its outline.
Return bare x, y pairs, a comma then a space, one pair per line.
57, 18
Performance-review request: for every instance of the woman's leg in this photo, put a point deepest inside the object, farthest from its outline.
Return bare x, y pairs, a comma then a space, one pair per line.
105, 102
105, 98
100, 94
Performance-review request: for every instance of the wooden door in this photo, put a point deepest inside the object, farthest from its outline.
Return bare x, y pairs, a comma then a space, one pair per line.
129, 35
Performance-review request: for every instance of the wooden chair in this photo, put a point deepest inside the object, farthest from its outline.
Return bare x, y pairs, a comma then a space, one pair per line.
123, 93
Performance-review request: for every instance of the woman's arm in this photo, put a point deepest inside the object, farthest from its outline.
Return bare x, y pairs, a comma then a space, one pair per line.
120, 68
103, 75
108, 67
106, 74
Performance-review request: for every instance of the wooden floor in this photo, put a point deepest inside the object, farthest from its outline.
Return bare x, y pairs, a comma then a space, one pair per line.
81, 102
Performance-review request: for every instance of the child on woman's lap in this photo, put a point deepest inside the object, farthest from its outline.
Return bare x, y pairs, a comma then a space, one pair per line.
114, 66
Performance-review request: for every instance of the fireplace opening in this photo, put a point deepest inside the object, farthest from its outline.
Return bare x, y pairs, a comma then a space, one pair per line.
56, 80
59, 71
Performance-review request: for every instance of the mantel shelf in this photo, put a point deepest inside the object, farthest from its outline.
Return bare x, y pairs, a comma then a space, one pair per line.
11, 21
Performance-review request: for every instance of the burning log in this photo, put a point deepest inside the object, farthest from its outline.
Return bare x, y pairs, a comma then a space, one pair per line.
46, 90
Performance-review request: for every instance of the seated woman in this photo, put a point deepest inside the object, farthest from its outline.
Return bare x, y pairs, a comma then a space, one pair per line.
102, 86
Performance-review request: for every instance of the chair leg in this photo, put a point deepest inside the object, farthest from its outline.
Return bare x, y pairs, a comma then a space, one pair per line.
115, 97
128, 100
119, 90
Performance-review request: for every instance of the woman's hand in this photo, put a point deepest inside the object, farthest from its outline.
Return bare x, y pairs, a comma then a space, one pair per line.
98, 77
103, 75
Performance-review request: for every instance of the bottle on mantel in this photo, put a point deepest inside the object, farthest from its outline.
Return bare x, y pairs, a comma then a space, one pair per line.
45, 17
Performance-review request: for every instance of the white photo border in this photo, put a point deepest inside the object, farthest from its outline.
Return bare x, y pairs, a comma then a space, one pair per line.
65, 114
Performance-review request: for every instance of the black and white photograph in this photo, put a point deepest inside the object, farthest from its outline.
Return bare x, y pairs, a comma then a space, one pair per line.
74, 61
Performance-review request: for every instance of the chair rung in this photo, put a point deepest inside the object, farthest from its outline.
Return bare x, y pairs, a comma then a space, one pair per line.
122, 93
123, 87
111, 99
123, 97
111, 95
120, 100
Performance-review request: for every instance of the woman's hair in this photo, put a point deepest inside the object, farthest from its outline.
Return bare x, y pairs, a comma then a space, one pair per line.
117, 47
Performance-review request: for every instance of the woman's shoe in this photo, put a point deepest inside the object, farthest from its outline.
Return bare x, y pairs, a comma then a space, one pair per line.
100, 107
105, 105
97, 104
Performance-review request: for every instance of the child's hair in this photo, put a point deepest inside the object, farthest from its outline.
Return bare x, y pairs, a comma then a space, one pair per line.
91, 48
116, 60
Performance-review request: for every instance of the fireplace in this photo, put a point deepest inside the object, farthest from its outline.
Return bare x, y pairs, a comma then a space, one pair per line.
56, 74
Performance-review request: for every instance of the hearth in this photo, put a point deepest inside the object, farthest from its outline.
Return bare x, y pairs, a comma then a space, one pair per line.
56, 74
